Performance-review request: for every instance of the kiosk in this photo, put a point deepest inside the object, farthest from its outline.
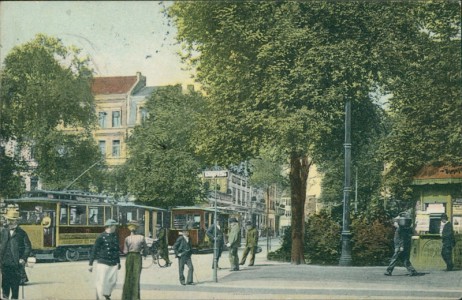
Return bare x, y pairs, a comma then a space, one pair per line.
439, 190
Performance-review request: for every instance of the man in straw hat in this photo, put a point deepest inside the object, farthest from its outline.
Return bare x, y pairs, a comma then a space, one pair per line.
106, 252
14, 251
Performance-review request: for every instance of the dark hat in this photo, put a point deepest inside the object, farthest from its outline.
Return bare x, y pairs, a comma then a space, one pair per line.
444, 217
232, 220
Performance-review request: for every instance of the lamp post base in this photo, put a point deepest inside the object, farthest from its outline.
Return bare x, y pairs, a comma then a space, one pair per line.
345, 258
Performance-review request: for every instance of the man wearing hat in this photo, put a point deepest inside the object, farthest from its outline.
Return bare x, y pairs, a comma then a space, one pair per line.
214, 232
447, 237
402, 241
251, 243
183, 250
106, 253
14, 251
234, 242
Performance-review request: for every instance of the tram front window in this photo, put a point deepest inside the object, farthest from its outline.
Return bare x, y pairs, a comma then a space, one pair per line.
189, 221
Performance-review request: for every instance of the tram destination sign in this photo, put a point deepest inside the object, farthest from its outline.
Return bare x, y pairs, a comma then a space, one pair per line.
215, 174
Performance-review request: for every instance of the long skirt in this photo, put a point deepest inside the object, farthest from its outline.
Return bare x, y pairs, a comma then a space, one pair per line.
106, 279
133, 264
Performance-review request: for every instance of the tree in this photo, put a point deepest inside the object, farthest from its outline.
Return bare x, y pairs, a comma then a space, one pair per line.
277, 75
46, 87
426, 106
162, 168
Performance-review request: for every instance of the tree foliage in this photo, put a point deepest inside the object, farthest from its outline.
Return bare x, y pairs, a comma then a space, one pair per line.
277, 75
426, 105
162, 168
45, 87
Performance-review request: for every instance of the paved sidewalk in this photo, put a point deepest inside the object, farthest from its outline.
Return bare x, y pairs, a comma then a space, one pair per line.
265, 280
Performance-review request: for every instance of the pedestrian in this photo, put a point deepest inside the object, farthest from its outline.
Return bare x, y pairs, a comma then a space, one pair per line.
106, 252
251, 244
213, 232
183, 251
447, 237
163, 245
234, 242
14, 251
402, 243
134, 247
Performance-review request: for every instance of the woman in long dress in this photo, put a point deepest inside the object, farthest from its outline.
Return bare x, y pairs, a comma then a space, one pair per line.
134, 248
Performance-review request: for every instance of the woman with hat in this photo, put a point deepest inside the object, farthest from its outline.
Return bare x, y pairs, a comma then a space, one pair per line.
134, 247
14, 251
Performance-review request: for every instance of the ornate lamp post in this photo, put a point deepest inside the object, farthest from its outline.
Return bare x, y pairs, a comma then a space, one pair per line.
345, 258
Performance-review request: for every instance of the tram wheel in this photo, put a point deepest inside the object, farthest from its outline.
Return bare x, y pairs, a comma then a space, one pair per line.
72, 255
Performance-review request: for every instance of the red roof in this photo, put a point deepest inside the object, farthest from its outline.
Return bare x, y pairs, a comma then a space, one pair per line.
113, 85
444, 172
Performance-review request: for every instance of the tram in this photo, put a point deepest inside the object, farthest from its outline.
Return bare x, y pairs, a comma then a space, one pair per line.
196, 220
63, 225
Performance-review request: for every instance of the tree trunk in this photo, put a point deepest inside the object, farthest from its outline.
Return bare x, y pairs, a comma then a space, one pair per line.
299, 170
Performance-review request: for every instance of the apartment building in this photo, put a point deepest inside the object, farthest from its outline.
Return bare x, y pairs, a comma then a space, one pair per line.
119, 105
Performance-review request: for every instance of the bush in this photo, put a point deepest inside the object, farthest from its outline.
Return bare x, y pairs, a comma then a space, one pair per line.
284, 252
372, 242
322, 239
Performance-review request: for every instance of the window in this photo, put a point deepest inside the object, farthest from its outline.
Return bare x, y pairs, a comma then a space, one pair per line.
96, 215
143, 114
78, 215
63, 215
102, 148
102, 119
33, 183
116, 119
116, 148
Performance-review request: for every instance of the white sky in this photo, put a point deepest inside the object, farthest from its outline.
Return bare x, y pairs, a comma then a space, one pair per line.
121, 37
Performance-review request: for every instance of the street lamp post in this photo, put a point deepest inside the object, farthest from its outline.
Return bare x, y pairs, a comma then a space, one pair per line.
345, 258
215, 175
215, 258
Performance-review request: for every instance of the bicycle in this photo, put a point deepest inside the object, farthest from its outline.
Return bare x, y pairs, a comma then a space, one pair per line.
154, 252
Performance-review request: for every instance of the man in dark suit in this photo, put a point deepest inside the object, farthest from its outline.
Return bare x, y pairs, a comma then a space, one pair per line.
447, 237
14, 251
183, 250
402, 241
212, 232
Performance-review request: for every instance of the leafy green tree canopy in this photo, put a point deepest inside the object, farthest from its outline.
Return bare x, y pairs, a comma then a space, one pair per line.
162, 168
46, 87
